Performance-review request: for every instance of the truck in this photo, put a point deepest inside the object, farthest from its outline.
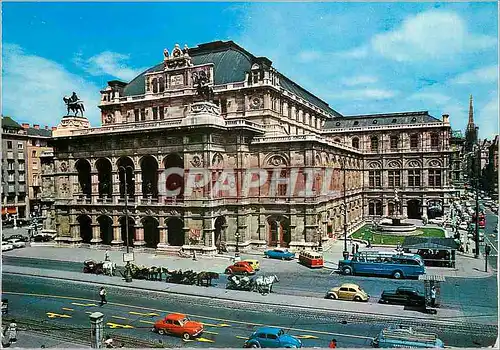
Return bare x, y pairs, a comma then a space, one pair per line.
405, 337
404, 296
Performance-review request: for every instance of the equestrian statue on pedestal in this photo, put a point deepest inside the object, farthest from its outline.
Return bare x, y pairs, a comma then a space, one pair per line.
73, 103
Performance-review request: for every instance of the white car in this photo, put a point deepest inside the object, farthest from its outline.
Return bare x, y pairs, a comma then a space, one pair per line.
437, 221
17, 243
6, 246
463, 226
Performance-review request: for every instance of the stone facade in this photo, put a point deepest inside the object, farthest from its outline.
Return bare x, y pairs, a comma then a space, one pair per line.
217, 107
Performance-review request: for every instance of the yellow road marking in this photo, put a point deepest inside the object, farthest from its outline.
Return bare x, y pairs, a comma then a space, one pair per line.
216, 325
240, 337
208, 332
148, 322
67, 309
118, 325
205, 340
78, 304
54, 315
196, 316
119, 317
150, 314
306, 337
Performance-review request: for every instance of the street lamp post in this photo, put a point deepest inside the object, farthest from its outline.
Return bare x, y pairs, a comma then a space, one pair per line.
320, 243
128, 273
345, 253
478, 171
237, 250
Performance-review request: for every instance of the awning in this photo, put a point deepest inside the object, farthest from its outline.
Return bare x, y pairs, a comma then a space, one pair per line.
9, 210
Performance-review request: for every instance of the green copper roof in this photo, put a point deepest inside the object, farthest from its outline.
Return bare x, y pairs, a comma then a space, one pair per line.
366, 120
9, 123
231, 63
457, 134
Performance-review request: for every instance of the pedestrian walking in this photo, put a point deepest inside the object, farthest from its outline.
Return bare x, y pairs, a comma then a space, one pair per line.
102, 294
467, 246
106, 255
333, 344
353, 250
12, 332
433, 296
357, 247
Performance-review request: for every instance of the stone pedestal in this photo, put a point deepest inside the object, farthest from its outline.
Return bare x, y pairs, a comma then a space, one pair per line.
70, 123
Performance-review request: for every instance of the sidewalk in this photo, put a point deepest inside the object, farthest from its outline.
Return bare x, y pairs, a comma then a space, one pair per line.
374, 310
32, 340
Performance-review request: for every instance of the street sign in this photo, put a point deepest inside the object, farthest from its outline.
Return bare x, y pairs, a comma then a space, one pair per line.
128, 257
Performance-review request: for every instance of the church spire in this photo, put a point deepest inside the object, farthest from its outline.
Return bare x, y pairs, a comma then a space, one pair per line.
470, 125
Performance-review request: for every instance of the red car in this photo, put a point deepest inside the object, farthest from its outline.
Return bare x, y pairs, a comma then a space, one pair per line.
180, 325
241, 267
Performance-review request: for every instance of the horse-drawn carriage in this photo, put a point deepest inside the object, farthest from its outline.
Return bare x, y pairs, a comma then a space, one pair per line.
190, 277
261, 284
99, 268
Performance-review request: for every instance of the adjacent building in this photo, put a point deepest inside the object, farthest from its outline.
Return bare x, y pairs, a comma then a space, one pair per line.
214, 113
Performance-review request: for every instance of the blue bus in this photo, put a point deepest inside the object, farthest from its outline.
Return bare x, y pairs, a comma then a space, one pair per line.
402, 337
396, 265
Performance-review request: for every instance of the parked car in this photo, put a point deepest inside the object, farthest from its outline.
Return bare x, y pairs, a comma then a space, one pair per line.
404, 296
272, 337
42, 238
240, 267
254, 263
17, 243
463, 226
179, 325
279, 253
20, 237
6, 246
437, 221
348, 291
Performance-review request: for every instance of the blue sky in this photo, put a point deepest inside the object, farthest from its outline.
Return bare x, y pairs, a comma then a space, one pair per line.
359, 57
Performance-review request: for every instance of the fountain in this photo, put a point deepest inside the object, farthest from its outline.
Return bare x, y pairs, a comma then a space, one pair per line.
398, 226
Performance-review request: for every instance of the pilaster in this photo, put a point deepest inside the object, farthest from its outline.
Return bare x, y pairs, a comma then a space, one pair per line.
139, 236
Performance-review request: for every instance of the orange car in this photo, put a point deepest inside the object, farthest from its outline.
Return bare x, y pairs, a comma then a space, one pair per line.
241, 267
178, 324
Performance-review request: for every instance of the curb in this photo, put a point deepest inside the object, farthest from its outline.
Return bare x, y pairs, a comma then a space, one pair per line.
322, 309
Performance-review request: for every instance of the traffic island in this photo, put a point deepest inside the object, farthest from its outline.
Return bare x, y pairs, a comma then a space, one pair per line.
376, 238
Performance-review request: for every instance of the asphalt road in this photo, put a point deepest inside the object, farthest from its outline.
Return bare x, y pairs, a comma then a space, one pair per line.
456, 293
129, 312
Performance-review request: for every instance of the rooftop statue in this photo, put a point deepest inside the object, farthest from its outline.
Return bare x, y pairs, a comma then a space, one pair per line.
74, 103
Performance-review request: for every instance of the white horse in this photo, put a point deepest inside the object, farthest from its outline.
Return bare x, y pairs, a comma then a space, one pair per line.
109, 268
264, 284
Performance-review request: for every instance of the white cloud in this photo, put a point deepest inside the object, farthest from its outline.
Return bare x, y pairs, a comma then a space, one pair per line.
362, 94
110, 63
430, 98
309, 56
488, 74
359, 80
358, 52
430, 35
33, 88
487, 118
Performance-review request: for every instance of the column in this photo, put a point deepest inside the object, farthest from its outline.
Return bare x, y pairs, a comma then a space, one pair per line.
96, 233
138, 186
209, 232
74, 229
115, 186
95, 187
163, 237
117, 235
139, 236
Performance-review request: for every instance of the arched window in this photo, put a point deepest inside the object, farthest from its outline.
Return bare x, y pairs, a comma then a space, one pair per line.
355, 142
162, 84
374, 143
155, 85
394, 141
434, 140
414, 141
